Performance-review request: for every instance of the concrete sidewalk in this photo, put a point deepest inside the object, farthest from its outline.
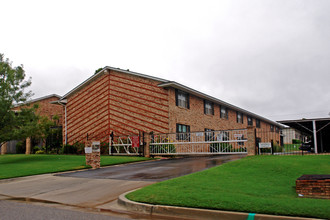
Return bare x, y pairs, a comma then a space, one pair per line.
81, 192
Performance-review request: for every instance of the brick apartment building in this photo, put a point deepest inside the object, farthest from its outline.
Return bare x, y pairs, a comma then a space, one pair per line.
126, 102
46, 108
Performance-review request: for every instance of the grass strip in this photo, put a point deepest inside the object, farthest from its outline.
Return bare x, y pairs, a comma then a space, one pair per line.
18, 165
256, 184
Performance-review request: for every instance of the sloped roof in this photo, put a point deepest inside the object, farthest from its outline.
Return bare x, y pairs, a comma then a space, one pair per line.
167, 83
38, 99
111, 68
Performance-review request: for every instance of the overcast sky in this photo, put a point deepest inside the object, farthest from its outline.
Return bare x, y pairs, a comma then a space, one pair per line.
270, 57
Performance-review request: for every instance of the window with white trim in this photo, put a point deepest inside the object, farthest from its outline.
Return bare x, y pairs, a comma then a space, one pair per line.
182, 99
257, 123
249, 120
208, 108
239, 117
223, 112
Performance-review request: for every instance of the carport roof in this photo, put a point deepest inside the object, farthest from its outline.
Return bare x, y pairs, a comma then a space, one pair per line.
304, 120
306, 125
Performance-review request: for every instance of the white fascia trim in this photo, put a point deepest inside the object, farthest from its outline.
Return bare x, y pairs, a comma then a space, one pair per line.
38, 99
114, 69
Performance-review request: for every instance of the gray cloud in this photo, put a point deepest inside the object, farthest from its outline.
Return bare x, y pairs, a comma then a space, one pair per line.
268, 56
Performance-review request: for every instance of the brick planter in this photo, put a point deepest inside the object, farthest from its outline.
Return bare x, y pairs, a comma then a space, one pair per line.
313, 186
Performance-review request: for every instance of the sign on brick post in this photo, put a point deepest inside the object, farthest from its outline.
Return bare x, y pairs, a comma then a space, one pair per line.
92, 154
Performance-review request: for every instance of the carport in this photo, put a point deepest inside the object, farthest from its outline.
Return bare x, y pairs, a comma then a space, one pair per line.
317, 128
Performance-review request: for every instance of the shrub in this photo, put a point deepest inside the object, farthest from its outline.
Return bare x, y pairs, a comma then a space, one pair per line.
54, 151
80, 147
76, 148
69, 149
40, 152
164, 148
277, 147
20, 147
296, 141
104, 148
35, 149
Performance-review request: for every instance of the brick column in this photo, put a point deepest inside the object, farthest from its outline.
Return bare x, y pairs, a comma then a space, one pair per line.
28, 146
4, 148
251, 140
93, 159
147, 139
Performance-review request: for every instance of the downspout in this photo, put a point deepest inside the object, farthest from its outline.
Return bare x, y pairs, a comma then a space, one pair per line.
66, 126
65, 121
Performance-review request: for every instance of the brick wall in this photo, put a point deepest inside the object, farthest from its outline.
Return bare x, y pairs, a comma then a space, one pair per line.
122, 103
46, 108
87, 110
126, 104
313, 186
197, 120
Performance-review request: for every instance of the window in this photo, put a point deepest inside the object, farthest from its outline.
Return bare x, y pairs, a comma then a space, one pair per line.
183, 132
223, 112
209, 134
239, 117
272, 128
208, 108
249, 120
277, 129
182, 99
258, 123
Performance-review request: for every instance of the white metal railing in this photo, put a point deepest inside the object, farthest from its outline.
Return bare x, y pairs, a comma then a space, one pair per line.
122, 145
208, 142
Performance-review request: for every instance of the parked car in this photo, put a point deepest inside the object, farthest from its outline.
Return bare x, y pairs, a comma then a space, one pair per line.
308, 146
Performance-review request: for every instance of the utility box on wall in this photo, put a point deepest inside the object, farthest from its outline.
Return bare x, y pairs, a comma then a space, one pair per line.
93, 153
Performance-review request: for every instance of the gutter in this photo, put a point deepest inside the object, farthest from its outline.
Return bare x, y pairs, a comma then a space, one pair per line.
63, 103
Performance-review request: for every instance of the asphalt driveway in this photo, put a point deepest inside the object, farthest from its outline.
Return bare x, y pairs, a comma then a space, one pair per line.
100, 188
154, 171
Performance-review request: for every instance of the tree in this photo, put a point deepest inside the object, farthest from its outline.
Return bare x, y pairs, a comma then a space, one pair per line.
20, 124
98, 70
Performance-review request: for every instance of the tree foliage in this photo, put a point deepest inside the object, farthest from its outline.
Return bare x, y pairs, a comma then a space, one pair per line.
98, 70
22, 123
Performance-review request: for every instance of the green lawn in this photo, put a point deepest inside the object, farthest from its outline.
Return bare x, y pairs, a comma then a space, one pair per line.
25, 165
256, 184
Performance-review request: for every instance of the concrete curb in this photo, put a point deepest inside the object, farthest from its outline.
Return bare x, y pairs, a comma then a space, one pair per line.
194, 213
